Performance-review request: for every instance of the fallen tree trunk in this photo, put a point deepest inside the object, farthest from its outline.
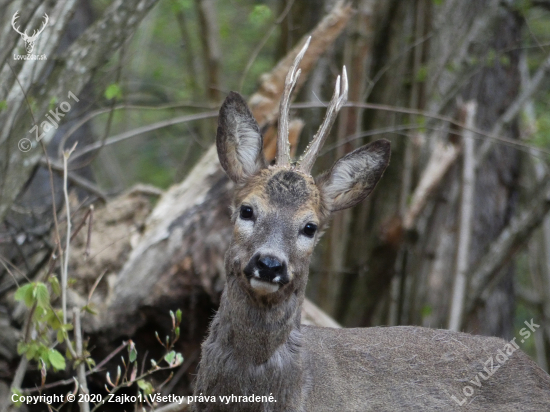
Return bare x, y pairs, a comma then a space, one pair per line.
182, 248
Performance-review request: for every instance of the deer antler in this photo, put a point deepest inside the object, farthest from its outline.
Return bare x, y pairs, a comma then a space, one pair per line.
336, 103
37, 32
14, 18
283, 145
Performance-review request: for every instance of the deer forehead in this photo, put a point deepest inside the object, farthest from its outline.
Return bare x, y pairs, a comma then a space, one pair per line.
282, 189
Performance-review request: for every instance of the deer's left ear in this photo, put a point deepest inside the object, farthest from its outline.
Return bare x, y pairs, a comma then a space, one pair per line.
355, 175
238, 139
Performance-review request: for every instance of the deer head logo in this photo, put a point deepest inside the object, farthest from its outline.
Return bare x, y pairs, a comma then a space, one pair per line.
29, 40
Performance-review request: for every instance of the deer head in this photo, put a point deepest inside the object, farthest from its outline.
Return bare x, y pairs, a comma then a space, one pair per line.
29, 40
279, 211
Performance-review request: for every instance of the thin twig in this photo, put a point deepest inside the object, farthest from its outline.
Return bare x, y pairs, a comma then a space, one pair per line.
81, 368
80, 225
91, 115
75, 179
92, 290
396, 109
514, 108
144, 129
181, 371
466, 213
64, 382
89, 235
262, 42
65, 270
485, 274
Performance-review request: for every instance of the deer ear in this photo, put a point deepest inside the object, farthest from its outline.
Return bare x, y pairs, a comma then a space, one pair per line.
354, 176
238, 139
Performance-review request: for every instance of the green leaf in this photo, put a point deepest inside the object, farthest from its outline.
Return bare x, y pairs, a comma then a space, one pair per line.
178, 315
56, 359
60, 336
43, 352
42, 295
177, 332
21, 348
112, 91
54, 321
54, 282
17, 392
145, 386
89, 309
169, 357
3, 105
422, 74
133, 354
32, 350
426, 310
260, 15
25, 294
182, 5
179, 358
52, 102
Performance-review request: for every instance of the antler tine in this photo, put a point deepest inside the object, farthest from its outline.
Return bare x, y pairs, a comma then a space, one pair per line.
283, 145
37, 32
336, 103
13, 19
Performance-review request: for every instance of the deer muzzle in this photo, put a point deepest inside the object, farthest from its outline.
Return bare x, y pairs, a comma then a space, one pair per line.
266, 273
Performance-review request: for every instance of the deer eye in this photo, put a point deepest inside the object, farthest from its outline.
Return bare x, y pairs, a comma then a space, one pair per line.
310, 229
246, 212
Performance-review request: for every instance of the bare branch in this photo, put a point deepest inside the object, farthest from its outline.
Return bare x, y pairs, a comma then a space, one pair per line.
478, 133
140, 130
73, 71
466, 213
441, 159
206, 10
262, 42
76, 180
65, 271
264, 104
81, 368
314, 315
485, 274
514, 109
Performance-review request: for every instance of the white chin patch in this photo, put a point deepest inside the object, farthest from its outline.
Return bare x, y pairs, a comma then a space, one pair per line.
264, 288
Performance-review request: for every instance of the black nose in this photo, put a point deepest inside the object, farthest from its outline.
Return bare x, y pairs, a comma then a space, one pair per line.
270, 264
267, 268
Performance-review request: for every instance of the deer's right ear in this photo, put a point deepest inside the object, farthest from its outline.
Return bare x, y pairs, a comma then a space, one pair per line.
238, 140
355, 175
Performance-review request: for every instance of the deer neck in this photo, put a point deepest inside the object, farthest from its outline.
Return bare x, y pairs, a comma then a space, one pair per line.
254, 329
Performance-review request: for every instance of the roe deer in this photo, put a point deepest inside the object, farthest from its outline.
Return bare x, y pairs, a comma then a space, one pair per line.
256, 344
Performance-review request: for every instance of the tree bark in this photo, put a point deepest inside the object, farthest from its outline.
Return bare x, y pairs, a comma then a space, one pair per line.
70, 73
